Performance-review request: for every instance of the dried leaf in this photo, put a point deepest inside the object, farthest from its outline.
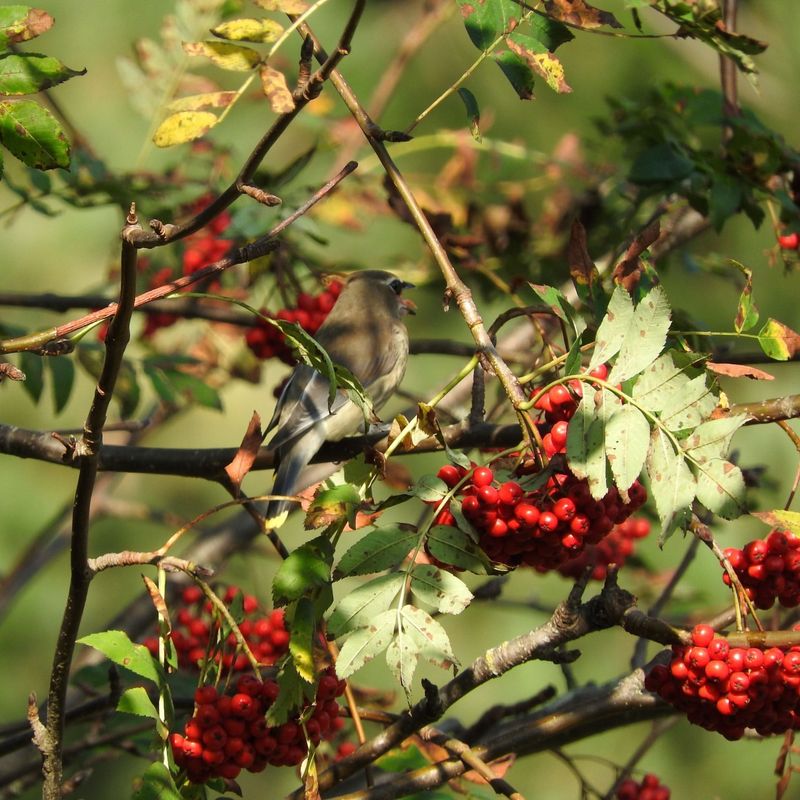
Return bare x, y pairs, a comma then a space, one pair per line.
579, 12
739, 371
273, 82
628, 271
242, 462
581, 267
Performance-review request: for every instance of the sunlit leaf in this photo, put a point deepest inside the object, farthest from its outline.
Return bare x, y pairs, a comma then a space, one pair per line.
380, 549
453, 546
22, 23
28, 73
672, 484
721, 488
781, 519
195, 102
364, 603
33, 135
613, 327
233, 57
429, 635
579, 12
117, 647
273, 82
364, 644
184, 126
627, 442
439, 589
401, 658
712, 439
778, 341
303, 636
249, 30
689, 407
540, 60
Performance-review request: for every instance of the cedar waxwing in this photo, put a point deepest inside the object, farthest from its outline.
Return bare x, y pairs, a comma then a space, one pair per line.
365, 333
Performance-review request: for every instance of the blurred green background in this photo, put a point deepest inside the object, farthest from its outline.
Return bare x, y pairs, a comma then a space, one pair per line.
73, 251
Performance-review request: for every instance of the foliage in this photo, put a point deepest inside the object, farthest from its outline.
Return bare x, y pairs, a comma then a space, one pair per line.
546, 437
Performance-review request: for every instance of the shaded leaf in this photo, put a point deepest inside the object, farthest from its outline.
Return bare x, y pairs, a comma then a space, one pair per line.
672, 484
579, 12
305, 569
22, 23
117, 647
249, 30
28, 73
517, 71
581, 267
720, 488
273, 83
62, 373
746, 312
644, 340
184, 126
487, 21
156, 784
429, 489
232, 57
778, 341
380, 549
242, 462
661, 163
453, 546
560, 306
33, 135
364, 603
439, 589
33, 367
473, 112
627, 443
365, 643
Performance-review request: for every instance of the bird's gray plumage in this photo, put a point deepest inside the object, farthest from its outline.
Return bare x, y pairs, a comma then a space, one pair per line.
365, 333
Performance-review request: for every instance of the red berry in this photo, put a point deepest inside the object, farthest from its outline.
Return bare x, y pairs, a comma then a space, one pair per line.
482, 476
450, 474
789, 241
702, 635
564, 509
548, 521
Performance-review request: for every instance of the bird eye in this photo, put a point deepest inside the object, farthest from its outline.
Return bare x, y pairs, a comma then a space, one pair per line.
397, 286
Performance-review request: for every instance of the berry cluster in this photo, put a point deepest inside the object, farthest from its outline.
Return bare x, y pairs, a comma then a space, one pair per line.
266, 341
769, 569
615, 548
196, 632
542, 528
649, 789
228, 733
728, 689
205, 246
789, 241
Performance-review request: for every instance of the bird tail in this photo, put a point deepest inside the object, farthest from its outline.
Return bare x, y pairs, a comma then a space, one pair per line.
287, 479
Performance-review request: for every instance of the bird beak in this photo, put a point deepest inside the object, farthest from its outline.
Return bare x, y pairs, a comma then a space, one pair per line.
409, 305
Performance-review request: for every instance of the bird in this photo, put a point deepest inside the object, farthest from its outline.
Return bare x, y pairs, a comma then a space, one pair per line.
365, 333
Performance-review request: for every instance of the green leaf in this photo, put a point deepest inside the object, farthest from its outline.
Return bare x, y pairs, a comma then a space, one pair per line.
365, 643
627, 442
473, 112
429, 635
156, 784
724, 199
550, 32
688, 408
746, 312
33, 135
117, 647
303, 627
560, 306
712, 439
586, 440
31, 364
439, 589
455, 547
663, 381
403, 759
136, 701
672, 484
644, 340
402, 655
540, 59
613, 327
487, 21
662, 163
62, 373
361, 605
429, 489
22, 23
28, 73
778, 341
720, 488
306, 569
194, 389
517, 71
330, 505
380, 549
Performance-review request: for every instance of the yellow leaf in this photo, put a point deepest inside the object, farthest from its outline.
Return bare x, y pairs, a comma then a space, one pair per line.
249, 30
184, 126
274, 84
286, 6
197, 101
232, 57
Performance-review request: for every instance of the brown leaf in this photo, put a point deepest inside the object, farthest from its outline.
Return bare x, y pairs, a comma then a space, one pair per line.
579, 12
581, 266
274, 85
628, 271
499, 767
739, 371
158, 601
545, 64
33, 24
246, 454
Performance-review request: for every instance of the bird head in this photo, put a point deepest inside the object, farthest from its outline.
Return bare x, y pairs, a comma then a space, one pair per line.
377, 286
